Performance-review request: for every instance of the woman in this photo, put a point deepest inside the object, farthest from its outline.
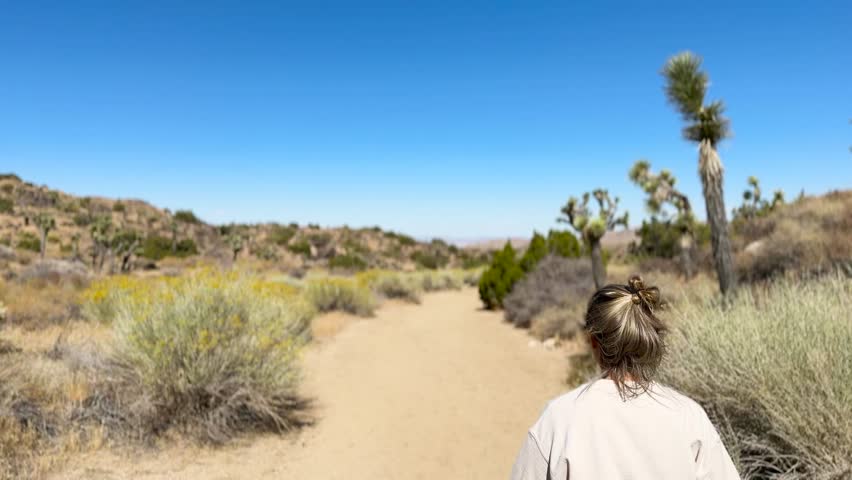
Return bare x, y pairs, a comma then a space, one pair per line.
624, 425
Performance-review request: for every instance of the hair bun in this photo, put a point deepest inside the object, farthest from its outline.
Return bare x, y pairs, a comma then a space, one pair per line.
650, 296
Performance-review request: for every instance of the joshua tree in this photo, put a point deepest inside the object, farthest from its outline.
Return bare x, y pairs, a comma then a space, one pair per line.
592, 228
45, 224
101, 230
661, 191
75, 244
124, 244
686, 85
235, 242
753, 204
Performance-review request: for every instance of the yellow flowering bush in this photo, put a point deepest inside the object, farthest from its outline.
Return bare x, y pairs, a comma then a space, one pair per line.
212, 350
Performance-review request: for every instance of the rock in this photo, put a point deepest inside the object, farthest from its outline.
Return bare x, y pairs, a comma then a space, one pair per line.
550, 343
534, 344
7, 253
754, 247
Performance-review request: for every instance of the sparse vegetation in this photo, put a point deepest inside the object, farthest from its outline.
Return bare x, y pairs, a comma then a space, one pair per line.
343, 294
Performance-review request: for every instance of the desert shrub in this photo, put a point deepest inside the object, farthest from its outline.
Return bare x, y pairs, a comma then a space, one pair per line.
7, 188
556, 281
536, 250
211, 353
402, 239
186, 216
28, 241
474, 260
562, 322
772, 369
103, 297
657, 238
82, 219
431, 281
471, 276
349, 261
301, 247
319, 240
156, 247
119, 207
344, 294
392, 284
563, 243
497, 281
281, 235
432, 259
6, 205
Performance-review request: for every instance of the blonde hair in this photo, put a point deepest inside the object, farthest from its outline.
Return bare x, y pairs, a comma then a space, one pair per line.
628, 337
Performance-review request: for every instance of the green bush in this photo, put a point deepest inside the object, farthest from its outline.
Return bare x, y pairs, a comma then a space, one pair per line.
301, 247
156, 247
7, 188
28, 241
82, 219
6, 205
328, 294
211, 353
349, 261
536, 250
497, 281
281, 235
401, 238
432, 259
186, 216
773, 371
564, 244
119, 207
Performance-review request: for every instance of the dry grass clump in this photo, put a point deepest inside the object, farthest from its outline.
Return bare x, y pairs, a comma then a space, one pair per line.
556, 282
562, 322
436, 280
388, 284
37, 303
212, 354
343, 294
805, 237
772, 370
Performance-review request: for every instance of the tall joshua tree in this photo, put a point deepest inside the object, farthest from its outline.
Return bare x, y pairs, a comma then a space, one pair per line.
45, 224
661, 191
686, 86
593, 227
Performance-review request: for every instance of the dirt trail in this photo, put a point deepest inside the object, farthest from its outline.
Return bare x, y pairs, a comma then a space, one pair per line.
440, 390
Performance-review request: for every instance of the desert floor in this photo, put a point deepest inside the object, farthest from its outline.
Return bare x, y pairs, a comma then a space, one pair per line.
440, 390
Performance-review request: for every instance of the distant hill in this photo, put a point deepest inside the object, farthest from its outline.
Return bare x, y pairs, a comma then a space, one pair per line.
108, 233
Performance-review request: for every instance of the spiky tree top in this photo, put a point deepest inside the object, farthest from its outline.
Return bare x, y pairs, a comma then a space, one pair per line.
44, 221
592, 227
686, 87
660, 189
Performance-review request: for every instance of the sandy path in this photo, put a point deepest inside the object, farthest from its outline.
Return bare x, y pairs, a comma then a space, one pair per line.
442, 390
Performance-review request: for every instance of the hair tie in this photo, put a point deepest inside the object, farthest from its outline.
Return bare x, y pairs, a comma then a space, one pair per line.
635, 298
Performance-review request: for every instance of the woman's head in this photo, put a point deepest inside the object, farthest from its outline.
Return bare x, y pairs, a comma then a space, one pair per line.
626, 335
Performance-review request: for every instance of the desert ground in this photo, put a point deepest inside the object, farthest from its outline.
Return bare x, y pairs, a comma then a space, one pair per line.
443, 389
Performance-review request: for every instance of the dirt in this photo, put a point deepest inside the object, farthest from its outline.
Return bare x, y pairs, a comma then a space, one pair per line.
441, 390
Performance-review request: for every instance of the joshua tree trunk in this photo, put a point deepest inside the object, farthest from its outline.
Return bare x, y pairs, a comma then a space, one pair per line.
43, 242
686, 254
710, 169
598, 269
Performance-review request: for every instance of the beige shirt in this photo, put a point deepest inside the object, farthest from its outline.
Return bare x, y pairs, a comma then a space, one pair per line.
590, 433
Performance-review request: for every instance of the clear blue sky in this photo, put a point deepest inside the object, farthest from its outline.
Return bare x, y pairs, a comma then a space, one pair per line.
447, 118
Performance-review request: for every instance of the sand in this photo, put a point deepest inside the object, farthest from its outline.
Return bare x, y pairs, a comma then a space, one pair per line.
440, 390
